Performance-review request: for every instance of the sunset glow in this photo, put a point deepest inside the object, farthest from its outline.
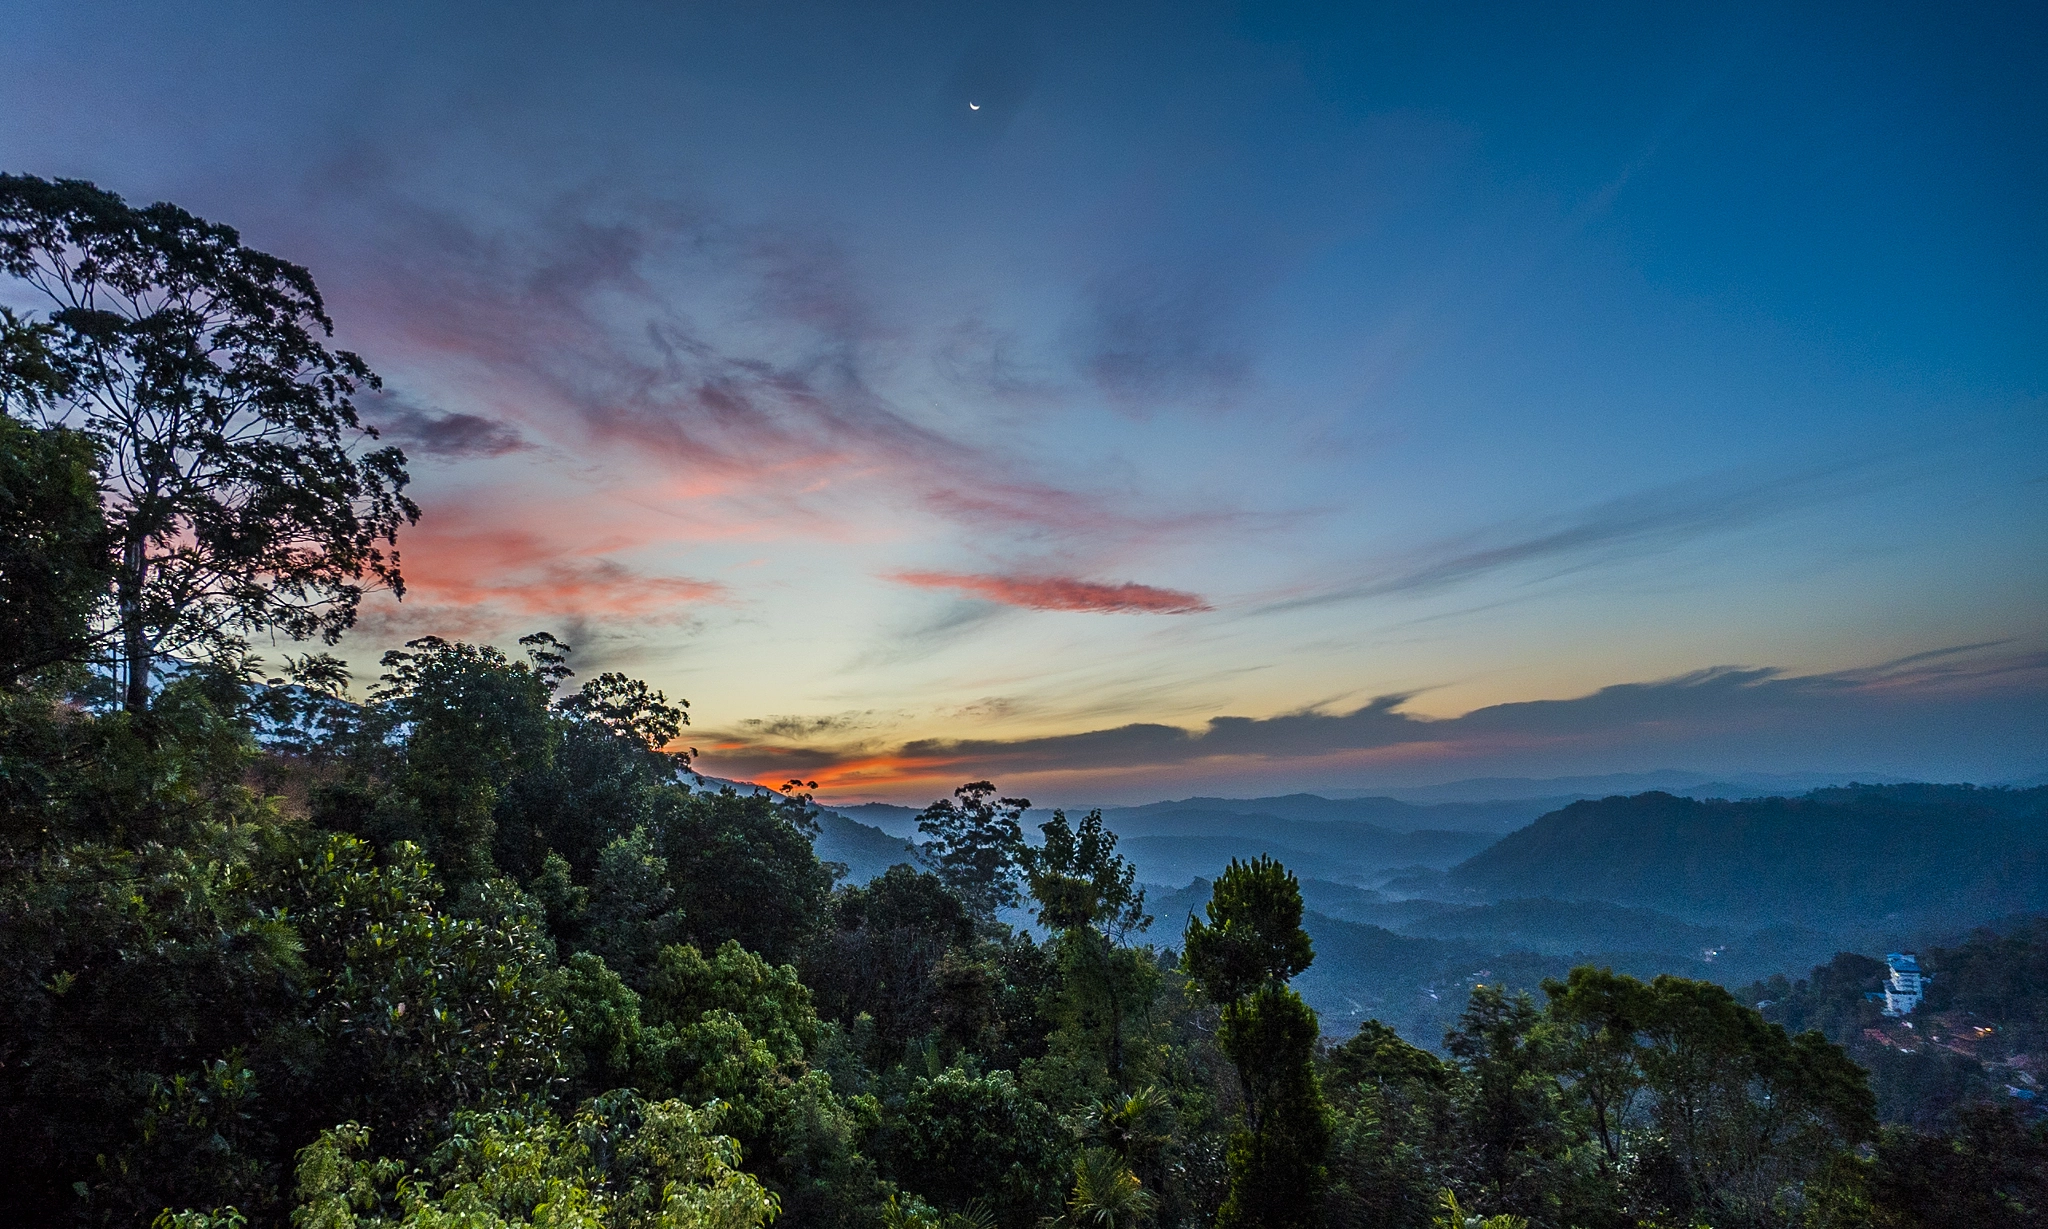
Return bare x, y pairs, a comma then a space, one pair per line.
1237, 399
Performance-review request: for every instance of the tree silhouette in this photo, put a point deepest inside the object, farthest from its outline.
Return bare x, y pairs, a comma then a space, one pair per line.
973, 846
234, 493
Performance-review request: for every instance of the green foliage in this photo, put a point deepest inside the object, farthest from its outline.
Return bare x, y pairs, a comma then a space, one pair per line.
603, 1018
1991, 1170
128, 779
32, 377
1078, 881
1277, 1163
472, 719
629, 916
631, 712
1101, 1006
878, 957
178, 1014
1253, 935
1107, 1195
739, 1030
972, 843
453, 1011
1242, 958
742, 870
769, 1001
236, 498
1515, 1145
619, 1163
1454, 1216
1595, 1019
1088, 894
957, 1138
54, 560
1392, 1130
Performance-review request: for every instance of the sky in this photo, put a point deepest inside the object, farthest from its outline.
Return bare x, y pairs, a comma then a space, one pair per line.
1138, 400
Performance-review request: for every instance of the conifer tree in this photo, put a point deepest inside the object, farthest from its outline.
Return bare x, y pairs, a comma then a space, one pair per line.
1242, 957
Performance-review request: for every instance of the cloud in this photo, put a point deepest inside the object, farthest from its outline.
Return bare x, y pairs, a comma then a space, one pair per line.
570, 314
1963, 712
1157, 336
1637, 524
450, 436
993, 363
470, 560
746, 362
799, 728
1059, 593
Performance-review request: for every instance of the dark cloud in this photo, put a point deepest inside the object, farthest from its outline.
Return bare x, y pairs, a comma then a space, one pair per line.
450, 436
800, 728
1991, 707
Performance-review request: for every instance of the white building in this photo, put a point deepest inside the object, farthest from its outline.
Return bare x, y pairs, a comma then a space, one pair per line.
1902, 990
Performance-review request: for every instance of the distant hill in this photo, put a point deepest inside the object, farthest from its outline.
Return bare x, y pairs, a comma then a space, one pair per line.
1418, 983
1980, 1035
1899, 856
866, 851
1171, 846
887, 816
1556, 927
1387, 813
1172, 842
1563, 790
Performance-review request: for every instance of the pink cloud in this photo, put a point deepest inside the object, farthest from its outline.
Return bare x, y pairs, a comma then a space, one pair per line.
1060, 593
563, 330
456, 560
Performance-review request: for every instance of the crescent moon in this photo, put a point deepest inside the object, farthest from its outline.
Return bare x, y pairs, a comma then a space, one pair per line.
974, 106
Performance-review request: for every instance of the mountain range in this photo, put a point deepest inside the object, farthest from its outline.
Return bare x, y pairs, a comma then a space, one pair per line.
1410, 902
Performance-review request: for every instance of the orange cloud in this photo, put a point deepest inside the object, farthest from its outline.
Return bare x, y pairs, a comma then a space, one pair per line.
1059, 593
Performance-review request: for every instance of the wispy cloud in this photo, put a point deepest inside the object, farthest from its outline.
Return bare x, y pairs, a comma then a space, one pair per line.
1155, 335
749, 357
1059, 593
1642, 523
466, 559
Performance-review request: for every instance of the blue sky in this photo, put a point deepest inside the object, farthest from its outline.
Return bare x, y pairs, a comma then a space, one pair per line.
937, 391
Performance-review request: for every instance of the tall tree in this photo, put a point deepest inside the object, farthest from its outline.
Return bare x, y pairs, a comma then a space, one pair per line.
238, 496
972, 844
1744, 1114
1516, 1146
1088, 895
1242, 957
474, 720
1595, 1017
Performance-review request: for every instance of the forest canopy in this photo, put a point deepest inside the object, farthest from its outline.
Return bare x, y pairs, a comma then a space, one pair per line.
472, 947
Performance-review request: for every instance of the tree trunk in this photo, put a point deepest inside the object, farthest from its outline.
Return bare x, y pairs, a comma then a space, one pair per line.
135, 648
